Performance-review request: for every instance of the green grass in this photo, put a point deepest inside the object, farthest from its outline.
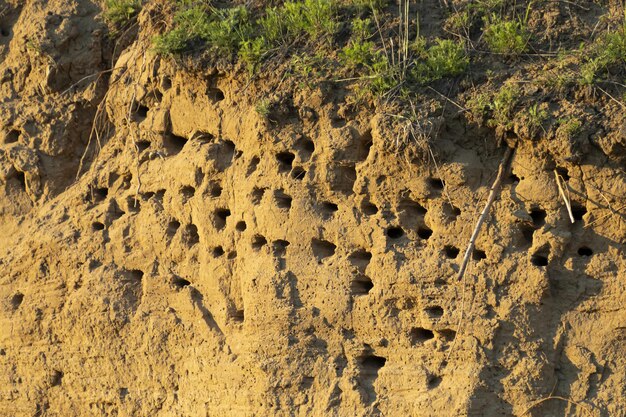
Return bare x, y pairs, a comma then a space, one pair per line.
120, 12
221, 29
509, 37
608, 53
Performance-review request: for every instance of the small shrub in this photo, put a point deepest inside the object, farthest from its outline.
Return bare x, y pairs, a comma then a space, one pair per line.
569, 128
502, 107
446, 59
360, 54
508, 37
534, 118
608, 52
252, 52
263, 108
119, 12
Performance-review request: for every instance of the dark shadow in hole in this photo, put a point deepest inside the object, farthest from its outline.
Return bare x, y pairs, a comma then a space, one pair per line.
253, 165
215, 190
142, 145
298, 173
238, 316
585, 251
539, 260
99, 194
172, 227
419, 335
232, 254
215, 94
283, 200
434, 312
57, 379
322, 249
133, 205
218, 251
12, 136
280, 247
258, 242
563, 173
433, 381
190, 235
241, 226
364, 145
96, 226
361, 259
141, 112
136, 275
257, 195
361, 285
17, 300
219, 218
369, 366
395, 232
436, 184
188, 192
174, 144
328, 208
513, 179
368, 208
285, 161
478, 254
424, 232
179, 282
539, 216
578, 211
451, 251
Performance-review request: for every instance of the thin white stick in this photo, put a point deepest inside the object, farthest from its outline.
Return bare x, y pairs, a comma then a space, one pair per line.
483, 216
565, 199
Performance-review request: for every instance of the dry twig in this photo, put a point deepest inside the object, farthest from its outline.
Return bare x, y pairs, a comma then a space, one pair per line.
495, 188
565, 198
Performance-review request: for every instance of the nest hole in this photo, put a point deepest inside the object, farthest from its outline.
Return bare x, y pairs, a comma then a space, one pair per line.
395, 232
450, 251
419, 335
258, 242
361, 285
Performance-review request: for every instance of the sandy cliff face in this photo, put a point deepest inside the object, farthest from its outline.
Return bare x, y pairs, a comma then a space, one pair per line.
210, 261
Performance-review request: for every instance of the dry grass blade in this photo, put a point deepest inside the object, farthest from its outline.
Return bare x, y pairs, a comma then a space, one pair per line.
555, 397
495, 188
565, 198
